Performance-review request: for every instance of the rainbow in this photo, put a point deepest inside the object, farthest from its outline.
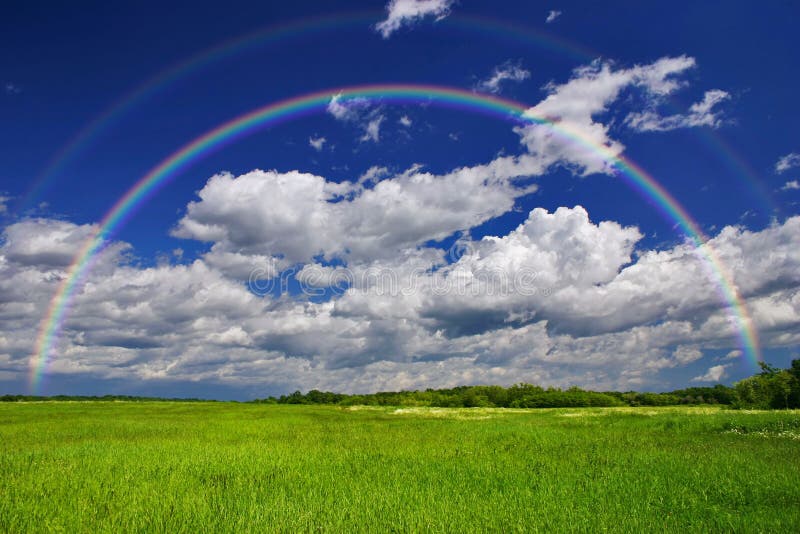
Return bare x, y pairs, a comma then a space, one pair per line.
503, 30
293, 108
739, 166
91, 132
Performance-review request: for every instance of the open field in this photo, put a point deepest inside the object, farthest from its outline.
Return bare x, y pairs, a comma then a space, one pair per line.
200, 467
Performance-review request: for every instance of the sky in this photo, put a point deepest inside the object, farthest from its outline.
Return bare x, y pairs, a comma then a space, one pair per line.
488, 220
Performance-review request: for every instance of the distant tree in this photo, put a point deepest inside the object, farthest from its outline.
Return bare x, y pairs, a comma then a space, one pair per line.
772, 388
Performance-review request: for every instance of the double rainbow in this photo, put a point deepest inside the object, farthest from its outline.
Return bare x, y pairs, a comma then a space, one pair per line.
502, 30
91, 132
293, 108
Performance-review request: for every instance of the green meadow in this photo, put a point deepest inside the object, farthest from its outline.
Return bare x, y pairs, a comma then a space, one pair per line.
228, 467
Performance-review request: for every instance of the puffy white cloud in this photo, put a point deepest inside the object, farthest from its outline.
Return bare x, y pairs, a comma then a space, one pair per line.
243, 266
405, 12
789, 161
700, 114
714, 374
566, 247
560, 300
199, 322
507, 72
47, 242
299, 216
405, 121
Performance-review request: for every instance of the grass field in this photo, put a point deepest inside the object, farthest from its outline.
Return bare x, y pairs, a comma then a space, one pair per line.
202, 467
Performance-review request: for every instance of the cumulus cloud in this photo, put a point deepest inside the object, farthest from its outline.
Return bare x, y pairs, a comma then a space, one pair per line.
405, 121
158, 323
301, 221
560, 300
789, 161
406, 12
700, 114
506, 72
714, 374
243, 266
47, 242
317, 143
552, 16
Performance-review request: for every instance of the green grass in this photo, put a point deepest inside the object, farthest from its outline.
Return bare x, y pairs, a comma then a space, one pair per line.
186, 467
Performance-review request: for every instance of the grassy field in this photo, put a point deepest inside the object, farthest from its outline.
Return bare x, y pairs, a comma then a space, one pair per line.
201, 467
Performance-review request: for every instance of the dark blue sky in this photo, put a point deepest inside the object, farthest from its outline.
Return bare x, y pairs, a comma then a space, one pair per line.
63, 65
71, 66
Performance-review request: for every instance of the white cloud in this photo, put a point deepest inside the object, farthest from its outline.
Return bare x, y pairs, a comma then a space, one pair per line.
243, 266
156, 323
12, 88
47, 242
700, 114
508, 71
299, 221
789, 161
714, 374
791, 185
735, 354
552, 16
592, 310
686, 355
405, 121
405, 12
358, 111
345, 109
373, 174
317, 143
575, 104
4, 204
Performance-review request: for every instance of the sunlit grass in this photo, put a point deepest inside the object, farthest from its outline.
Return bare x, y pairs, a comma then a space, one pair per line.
178, 467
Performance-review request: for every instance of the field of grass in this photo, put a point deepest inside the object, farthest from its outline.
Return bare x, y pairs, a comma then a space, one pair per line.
202, 467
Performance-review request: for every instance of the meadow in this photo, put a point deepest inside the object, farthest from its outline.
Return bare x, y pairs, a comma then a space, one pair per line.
228, 467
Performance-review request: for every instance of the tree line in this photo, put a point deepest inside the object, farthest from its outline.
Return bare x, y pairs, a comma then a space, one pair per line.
772, 388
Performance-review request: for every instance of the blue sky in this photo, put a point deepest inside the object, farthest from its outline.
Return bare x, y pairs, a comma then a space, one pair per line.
700, 96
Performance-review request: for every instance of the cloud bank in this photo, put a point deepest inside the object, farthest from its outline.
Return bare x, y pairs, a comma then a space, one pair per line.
304, 282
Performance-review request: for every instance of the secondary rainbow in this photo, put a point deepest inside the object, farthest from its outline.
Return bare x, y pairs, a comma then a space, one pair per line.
353, 21
91, 132
293, 108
